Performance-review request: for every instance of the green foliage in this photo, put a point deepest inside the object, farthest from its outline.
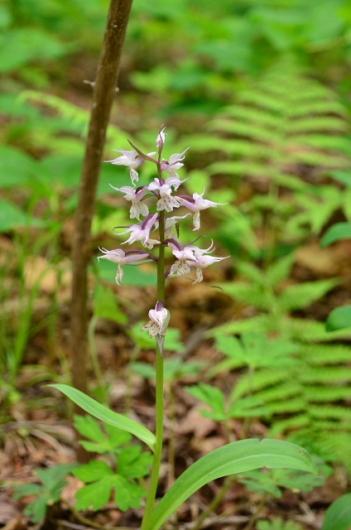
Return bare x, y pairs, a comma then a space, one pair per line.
273, 482
338, 516
339, 318
143, 340
106, 306
47, 493
237, 457
308, 406
336, 233
278, 524
119, 476
275, 129
269, 291
12, 217
174, 369
106, 415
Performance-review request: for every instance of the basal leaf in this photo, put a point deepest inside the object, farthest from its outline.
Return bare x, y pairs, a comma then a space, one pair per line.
106, 415
230, 459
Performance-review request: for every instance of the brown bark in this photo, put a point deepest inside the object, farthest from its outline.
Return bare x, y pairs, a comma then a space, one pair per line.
104, 91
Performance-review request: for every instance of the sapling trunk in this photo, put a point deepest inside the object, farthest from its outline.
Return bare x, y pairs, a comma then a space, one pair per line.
104, 91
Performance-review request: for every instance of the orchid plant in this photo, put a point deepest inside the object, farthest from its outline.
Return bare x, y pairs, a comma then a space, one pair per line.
155, 206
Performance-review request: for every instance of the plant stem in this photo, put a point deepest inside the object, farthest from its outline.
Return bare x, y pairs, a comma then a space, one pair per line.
104, 92
155, 472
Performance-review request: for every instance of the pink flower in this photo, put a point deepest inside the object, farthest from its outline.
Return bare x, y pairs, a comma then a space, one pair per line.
196, 203
158, 323
119, 256
163, 190
191, 257
170, 225
141, 232
130, 159
135, 196
174, 163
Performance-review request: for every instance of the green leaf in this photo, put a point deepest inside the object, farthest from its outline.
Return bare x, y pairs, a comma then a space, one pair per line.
338, 515
106, 415
12, 217
94, 470
236, 457
88, 427
16, 168
339, 318
278, 524
133, 462
23, 490
54, 476
213, 397
105, 305
304, 294
336, 233
36, 510
95, 496
127, 494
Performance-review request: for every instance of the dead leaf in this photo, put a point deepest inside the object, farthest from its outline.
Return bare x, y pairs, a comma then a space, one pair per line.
40, 272
194, 422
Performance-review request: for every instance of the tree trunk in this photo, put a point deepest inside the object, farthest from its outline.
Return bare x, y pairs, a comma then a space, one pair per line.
104, 91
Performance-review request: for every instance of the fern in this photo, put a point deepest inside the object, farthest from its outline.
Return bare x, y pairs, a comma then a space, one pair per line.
314, 399
267, 290
284, 120
72, 119
276, 128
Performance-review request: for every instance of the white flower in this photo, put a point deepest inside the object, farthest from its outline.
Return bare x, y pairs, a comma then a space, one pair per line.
158, 323
135, 196
119, 256
182, 254
163, 190
170, 225
174, 163
130, 159
141, 232
191, 257
196, 203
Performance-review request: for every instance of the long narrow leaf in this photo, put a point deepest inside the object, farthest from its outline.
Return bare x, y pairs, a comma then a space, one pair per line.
236, 457
106, 415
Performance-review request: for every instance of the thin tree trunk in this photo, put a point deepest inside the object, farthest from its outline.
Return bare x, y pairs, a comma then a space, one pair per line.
104, 92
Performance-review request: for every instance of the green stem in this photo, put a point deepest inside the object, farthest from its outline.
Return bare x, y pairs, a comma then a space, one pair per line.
156, 464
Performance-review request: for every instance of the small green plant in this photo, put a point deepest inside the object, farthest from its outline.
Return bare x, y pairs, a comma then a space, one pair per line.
46, 493
117, 474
